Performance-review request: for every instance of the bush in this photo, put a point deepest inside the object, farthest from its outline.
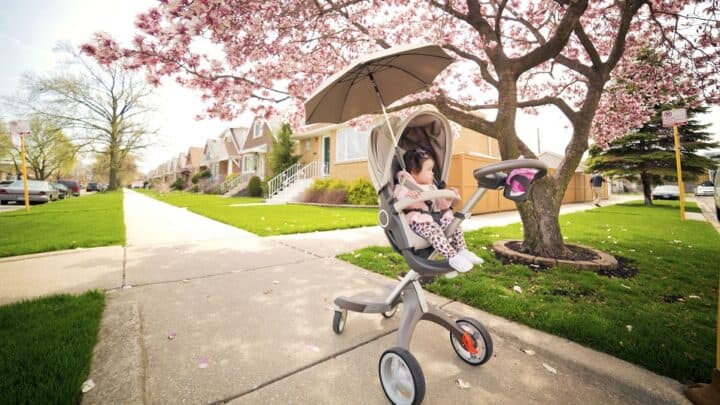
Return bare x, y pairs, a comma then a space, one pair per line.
229, 177
328, 184
362, 192
334, 196
327, 191
255, 188
201, 175
178, 184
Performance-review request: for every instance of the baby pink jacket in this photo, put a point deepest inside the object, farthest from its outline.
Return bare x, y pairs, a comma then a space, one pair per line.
415, 216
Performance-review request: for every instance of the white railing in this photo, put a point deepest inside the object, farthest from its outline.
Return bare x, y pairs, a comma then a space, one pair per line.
232, 183
291, 175
278, 182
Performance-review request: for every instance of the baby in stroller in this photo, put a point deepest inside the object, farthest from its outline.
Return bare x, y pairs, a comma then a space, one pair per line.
430, 218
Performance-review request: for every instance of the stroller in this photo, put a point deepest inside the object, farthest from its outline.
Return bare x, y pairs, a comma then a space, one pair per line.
401, 377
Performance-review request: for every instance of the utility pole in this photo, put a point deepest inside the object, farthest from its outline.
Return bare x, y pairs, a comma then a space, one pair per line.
538, 140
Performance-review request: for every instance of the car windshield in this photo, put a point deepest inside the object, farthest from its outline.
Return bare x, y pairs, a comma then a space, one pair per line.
707, 183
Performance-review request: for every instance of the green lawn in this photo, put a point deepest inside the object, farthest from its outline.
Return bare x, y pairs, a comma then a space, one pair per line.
265, 220
46, 347
185, 199
670, 305
87, 221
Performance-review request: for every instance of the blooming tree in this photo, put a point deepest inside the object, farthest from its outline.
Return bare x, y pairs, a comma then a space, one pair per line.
572, 55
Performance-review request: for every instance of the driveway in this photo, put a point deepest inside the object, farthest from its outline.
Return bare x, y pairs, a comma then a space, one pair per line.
209, 313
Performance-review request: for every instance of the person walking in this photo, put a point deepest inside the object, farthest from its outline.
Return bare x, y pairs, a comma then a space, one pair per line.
596, 182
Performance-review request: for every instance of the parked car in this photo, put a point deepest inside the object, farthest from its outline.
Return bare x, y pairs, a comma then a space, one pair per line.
666, 193
38, 191
92, 187
717, 194
706, 188
62, 190
72, 185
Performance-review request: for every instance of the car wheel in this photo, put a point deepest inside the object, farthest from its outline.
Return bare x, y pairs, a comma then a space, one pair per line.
3, 202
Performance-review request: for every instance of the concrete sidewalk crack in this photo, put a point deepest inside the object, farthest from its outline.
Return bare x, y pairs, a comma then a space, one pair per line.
216, 274
124, 265
306, 367
143, 360
301, 249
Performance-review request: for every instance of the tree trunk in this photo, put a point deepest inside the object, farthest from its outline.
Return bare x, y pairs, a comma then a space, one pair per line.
540, 217
114, 166
647, 185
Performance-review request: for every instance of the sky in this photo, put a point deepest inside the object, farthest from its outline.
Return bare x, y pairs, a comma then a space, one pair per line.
30, 29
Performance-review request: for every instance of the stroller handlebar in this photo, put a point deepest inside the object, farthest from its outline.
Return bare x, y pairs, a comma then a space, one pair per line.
424, 196
508, 165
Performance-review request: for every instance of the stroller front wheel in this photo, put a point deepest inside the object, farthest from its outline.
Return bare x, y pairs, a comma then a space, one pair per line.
476, 347
401, 377
339, 319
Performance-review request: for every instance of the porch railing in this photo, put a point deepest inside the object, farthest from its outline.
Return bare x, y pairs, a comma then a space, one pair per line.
232, 183
291, 175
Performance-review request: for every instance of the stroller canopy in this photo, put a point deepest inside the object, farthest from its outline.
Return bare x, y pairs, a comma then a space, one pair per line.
426, 129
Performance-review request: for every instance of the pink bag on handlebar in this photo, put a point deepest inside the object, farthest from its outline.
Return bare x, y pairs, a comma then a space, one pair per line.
517, 184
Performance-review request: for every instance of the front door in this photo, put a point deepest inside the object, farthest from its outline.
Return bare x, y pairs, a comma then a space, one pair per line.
326, 156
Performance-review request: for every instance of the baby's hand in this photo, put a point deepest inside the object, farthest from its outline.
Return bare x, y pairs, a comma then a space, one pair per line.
455, 190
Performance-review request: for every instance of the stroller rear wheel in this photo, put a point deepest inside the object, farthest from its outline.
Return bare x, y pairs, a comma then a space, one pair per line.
339, 319
401, 377
476, 347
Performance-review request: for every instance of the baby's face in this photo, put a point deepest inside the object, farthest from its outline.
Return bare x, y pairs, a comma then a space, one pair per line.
425, 175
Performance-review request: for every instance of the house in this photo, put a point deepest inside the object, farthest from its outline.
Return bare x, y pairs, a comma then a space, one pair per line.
191, 166
215, 159
341, 152
254, 146
180, 162
7, 169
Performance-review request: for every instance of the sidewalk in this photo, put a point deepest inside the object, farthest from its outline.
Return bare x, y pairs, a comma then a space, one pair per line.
250, 321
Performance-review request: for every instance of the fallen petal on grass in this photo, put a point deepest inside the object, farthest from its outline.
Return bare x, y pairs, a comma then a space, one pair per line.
87, 386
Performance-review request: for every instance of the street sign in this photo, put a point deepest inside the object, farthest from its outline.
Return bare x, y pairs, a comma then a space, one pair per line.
676, 116
18, 129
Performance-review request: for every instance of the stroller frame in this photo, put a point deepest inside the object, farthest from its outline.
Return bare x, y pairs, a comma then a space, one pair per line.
469, 338
409, 291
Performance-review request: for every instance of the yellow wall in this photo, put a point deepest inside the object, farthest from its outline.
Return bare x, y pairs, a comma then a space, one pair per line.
471, 141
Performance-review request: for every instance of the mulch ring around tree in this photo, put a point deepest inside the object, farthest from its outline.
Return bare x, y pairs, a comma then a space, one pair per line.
579, 257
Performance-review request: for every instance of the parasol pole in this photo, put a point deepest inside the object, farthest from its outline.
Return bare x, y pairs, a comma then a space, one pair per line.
387, 120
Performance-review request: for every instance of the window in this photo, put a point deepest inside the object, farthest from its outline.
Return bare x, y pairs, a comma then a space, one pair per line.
249, 163
258, 129
351, 144
308, 145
